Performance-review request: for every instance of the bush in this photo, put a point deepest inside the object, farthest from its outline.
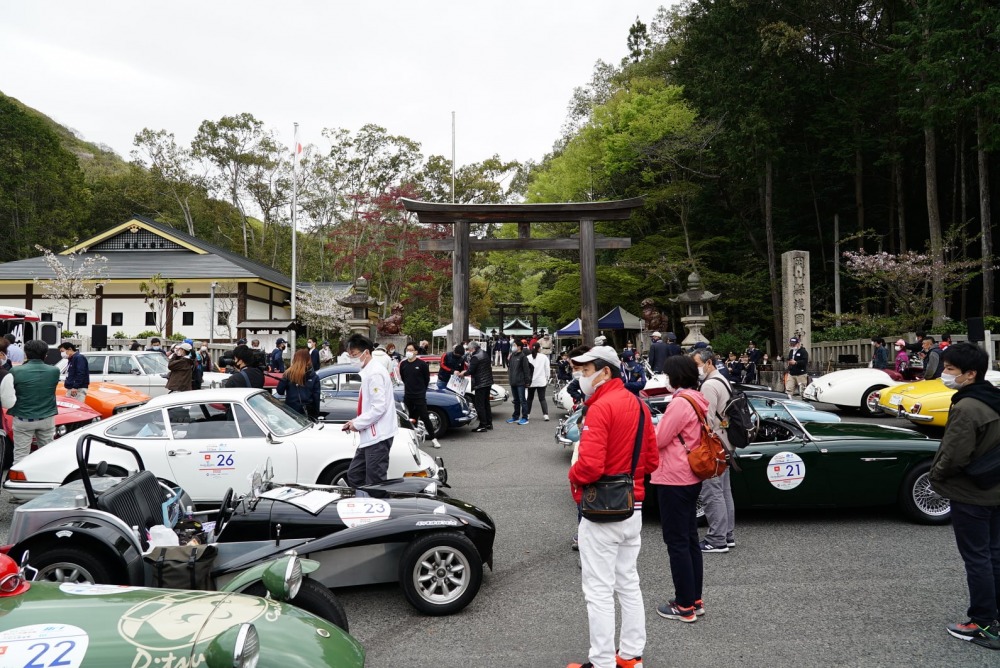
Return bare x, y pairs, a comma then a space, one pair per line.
148, 334
68, 334
176, 336
735, 340
120, 335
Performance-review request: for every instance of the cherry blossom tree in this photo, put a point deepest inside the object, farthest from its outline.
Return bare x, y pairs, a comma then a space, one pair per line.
318, 309
75, 278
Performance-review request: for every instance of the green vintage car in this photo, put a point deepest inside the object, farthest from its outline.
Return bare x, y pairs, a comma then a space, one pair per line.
838, 465
70, 625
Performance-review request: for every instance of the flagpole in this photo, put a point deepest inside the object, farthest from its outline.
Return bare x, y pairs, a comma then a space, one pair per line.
453, 157
295, 207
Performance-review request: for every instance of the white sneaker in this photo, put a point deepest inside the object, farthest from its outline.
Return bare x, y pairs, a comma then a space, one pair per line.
435, 443
546, 417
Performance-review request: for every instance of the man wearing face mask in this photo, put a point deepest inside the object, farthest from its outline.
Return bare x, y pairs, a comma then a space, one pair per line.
609, 550
77, 371
716, 493
376, 422
416, 376
313, 353
246, 374
972, 432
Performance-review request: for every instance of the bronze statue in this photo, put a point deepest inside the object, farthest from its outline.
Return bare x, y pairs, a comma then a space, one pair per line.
655, 320
392, 325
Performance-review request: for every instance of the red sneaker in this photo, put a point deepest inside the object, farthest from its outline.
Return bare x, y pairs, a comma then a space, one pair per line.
628, 663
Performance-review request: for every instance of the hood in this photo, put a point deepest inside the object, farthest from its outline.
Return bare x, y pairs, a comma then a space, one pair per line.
849, 431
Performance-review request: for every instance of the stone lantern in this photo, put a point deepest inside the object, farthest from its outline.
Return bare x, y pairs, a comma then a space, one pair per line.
363, 308
695, 303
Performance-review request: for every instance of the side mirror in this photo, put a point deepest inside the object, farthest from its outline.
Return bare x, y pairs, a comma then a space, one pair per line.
136, 372
271, 439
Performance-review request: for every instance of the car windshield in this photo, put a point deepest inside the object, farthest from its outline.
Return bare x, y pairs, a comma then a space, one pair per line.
778, 411
153, 364
282, 420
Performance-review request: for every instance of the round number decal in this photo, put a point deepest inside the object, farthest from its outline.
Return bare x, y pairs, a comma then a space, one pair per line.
786, 470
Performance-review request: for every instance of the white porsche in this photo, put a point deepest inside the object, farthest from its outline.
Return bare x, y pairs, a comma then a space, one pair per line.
207, 441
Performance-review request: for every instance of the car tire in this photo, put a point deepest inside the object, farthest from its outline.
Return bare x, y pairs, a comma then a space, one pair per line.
919, 502
70, 564
313, 597
866, 399
440, 421
334, 474
450, 554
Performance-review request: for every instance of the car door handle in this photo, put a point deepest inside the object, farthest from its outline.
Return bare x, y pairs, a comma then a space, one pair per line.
752, 455
879, 459
178, 453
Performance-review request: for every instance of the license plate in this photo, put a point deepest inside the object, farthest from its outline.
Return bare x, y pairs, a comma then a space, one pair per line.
895, 400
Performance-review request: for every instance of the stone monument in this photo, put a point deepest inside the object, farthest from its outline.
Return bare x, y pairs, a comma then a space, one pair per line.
695, 303
796, 297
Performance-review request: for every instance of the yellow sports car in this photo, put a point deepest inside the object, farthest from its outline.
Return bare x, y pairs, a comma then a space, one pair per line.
923, 402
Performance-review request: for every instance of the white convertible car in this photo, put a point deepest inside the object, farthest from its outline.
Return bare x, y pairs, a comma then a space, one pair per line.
142, 370
850, 388
207, 441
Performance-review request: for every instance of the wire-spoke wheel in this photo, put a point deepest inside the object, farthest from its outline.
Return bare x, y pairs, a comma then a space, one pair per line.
441, 573
919, 500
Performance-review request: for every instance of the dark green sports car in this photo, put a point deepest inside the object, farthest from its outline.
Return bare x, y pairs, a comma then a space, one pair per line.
838, 465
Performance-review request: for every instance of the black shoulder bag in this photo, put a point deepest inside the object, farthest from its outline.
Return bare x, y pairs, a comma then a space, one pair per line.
612, 497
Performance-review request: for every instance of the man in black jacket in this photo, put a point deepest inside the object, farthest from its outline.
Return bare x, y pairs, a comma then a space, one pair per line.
657, 353
519, 372
972, 434
416, 377
246, 374
481, 373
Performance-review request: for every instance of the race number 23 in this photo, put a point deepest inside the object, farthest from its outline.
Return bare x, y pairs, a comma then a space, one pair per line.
786, 470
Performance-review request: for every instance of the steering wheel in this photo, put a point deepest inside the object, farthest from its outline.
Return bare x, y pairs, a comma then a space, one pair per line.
225, 510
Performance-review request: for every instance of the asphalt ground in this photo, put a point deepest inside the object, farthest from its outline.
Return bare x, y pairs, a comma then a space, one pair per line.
808, 588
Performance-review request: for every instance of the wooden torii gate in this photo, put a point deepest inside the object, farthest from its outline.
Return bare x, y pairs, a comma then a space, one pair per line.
463, 215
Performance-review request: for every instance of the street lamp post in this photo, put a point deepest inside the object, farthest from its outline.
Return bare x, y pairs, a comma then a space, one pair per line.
211, 315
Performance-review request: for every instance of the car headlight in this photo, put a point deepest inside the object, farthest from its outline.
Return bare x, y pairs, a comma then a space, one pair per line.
61, 430
236, 647
283, 578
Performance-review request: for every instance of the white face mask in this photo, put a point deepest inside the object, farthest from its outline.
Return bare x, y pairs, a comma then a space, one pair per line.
410, 354
64, 354
311, 344
578, 375
587, 385
670, 388
701, 373
950, 381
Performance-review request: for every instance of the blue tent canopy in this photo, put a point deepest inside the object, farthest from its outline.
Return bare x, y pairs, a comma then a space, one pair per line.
619, 318
572, 329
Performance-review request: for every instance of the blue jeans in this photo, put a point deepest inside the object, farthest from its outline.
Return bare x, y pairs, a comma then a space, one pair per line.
442, 385
520, 404
977, 533
679, 519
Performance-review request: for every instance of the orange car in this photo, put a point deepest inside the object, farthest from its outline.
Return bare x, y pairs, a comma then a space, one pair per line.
110, 398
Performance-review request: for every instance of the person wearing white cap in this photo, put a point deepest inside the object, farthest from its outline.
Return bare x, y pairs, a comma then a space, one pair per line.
798, 359
181, 367
609, 550
657, 352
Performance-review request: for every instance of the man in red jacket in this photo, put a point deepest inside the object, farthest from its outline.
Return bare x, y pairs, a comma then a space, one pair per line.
609, 550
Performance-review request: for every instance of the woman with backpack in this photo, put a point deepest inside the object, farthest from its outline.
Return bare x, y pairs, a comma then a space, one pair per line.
540, 373
300, 385
678, 488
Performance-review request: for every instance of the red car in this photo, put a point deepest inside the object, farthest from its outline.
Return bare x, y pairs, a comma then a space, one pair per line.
72, 415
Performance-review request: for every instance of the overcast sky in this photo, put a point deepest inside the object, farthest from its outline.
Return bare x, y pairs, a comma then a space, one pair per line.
107, 69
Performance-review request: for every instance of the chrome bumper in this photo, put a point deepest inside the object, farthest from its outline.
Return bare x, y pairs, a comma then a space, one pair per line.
900, 412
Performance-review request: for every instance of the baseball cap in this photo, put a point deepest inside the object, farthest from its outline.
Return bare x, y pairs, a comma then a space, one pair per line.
793, 340
656, 335
671, 336
184, 345
241, 342
699, 345
603, 353
279, 342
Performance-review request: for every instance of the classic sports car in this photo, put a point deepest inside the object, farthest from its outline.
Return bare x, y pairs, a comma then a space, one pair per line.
791, 465
925, 402
72, 415
850, 388
401, 530
109, 398
49, 624
145, 371
205, 440
446, 409
498, 394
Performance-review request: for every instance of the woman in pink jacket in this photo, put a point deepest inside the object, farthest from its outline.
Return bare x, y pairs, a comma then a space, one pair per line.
678, 488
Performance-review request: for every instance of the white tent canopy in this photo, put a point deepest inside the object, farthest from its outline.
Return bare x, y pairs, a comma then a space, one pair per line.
443, 331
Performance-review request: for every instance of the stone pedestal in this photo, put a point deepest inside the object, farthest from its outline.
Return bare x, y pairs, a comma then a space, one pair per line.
796, 297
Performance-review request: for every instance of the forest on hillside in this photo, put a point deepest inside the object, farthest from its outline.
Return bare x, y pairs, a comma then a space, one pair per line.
751, 128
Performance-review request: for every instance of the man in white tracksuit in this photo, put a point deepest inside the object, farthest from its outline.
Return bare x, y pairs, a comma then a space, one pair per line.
376, 423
